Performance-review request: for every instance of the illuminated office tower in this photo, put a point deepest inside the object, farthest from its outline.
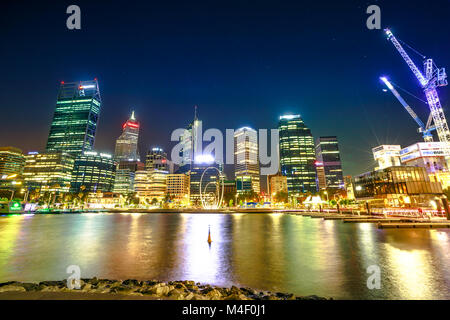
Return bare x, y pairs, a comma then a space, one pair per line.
158, 184
327, 155
75, 119
156, 158
127, 143
125, 176
178, 187
191, 142
12, 161
48, 171
277, 183
93, 172
297, 155
150, 185
246, 164
209, 184
142, 185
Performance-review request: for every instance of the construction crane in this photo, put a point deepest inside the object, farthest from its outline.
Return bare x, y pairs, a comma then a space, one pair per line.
434, 77
425, 130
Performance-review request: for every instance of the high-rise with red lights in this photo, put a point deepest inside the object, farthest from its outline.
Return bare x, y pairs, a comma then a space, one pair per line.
127, 143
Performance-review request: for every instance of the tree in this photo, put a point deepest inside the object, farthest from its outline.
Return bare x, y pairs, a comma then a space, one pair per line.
281, 196
229, 196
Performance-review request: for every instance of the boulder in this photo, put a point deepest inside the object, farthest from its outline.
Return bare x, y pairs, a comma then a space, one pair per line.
176, 294
12, 287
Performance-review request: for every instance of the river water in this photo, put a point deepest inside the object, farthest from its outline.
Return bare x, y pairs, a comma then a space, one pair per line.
273, 252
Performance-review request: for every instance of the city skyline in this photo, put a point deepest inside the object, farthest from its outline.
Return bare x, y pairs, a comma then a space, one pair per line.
236, 80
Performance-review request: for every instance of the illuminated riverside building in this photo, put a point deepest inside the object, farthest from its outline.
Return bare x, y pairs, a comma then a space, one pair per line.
142, 184
127, 143
397, 186
178, 187
48, 171
387, 156
125, 176
297, 155
210, 182
75, 119
151, 184
277, 183
246, 164
321, 181
158, 184
429, 155
327, 153
93, 172
12, 161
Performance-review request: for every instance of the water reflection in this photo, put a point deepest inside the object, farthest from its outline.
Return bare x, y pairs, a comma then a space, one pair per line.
264, 251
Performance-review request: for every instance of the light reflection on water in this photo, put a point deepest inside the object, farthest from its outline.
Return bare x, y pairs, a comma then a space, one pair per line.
265, 251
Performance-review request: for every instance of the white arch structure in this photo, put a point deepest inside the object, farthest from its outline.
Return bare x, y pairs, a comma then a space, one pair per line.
218, 202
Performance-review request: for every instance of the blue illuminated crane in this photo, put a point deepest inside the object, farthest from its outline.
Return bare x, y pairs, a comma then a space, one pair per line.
425, 130
434, 77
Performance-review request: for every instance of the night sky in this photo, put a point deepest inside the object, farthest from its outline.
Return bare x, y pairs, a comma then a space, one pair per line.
242, 63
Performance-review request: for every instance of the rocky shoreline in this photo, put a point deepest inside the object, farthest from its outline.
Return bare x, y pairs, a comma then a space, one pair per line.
172, 290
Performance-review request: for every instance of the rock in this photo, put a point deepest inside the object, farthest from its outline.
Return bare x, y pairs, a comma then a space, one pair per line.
30, 286
314, 297
176, 294
150, 282
160, 290
199, 297
189, 296
86, 287
131, 282
173, 290
12, 287
214, 294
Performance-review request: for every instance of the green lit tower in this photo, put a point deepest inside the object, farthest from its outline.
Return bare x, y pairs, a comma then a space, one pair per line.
75, 119
297, 155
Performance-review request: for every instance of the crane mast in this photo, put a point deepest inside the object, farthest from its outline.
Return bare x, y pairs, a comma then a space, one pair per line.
433, 78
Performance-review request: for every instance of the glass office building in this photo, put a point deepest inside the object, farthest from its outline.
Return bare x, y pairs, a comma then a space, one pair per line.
396, 186
48, 171
75, 119
12, 161
297, 155
93, 172
328, 157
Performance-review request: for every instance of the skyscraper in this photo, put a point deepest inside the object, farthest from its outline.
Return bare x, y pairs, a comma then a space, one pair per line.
48, 171
75, 119
156, 158
246, 164
94, 171
297, 154
12, 161
127, 143
327, 154
191, 141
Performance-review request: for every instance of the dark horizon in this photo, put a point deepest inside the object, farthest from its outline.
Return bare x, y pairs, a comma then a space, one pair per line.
242, 64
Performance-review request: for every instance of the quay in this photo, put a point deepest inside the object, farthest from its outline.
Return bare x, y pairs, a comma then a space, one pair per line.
430, 225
